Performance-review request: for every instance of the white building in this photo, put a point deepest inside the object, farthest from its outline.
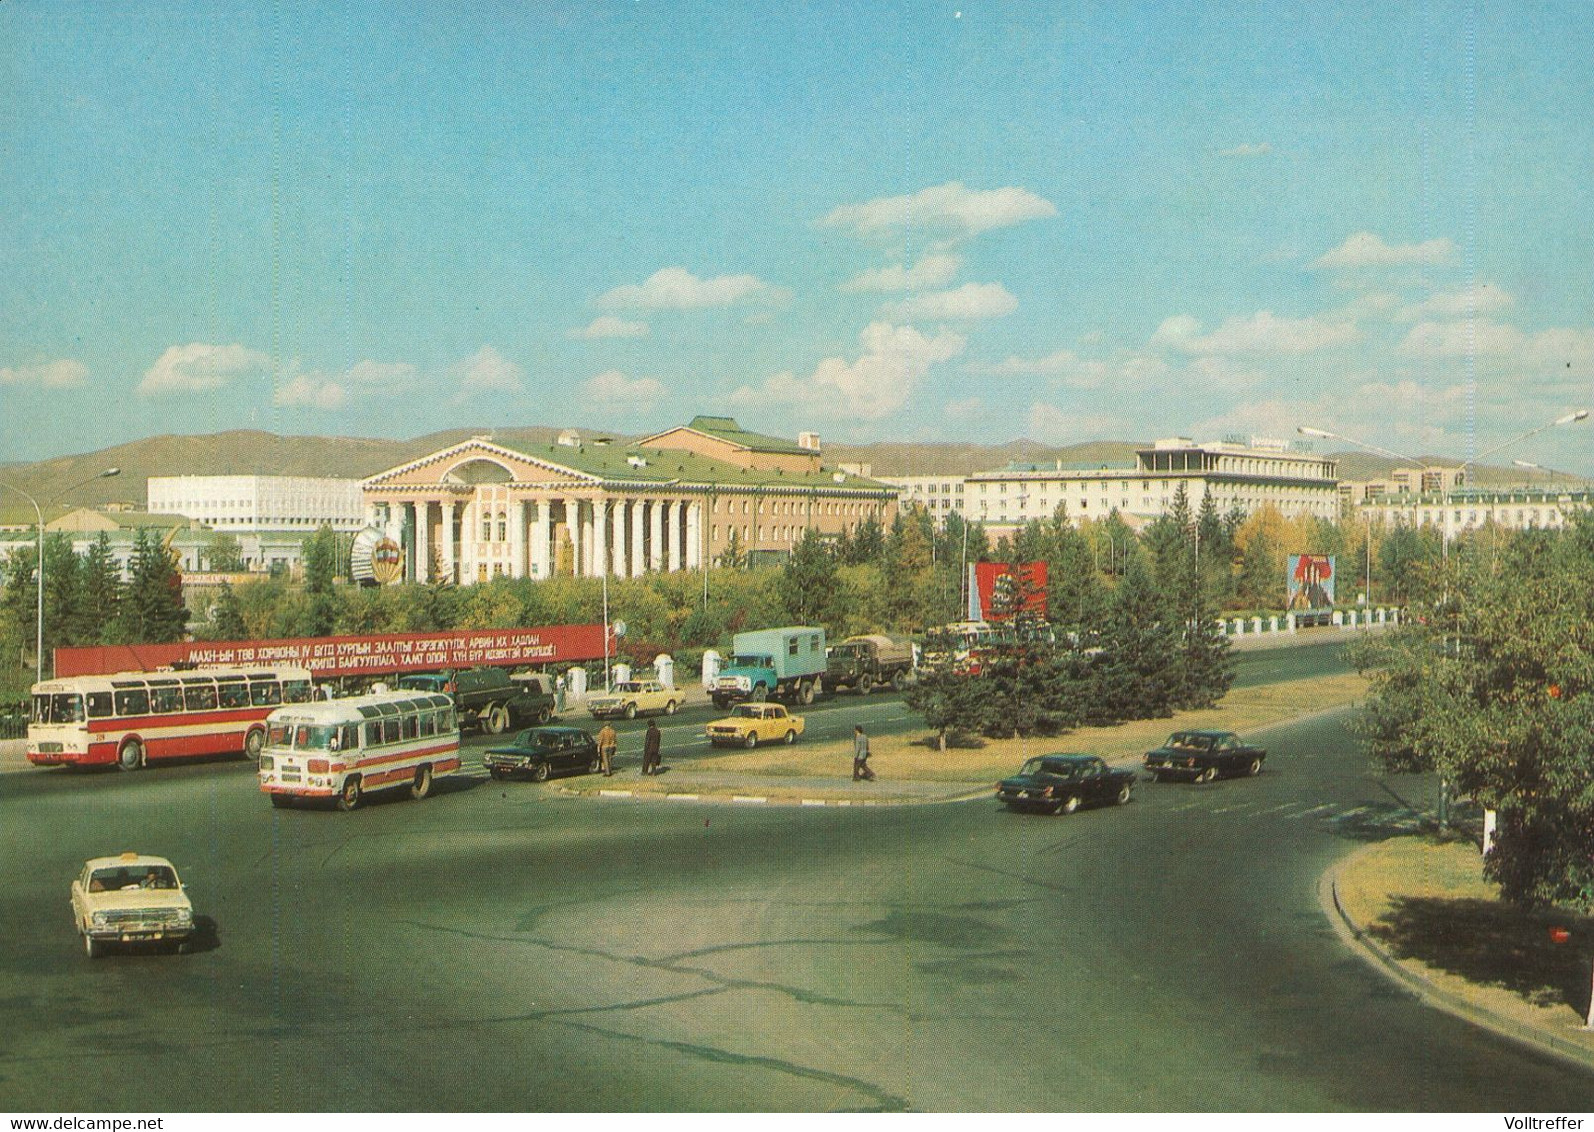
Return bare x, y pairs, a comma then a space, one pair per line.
1242, 475
256, 504
1467, 509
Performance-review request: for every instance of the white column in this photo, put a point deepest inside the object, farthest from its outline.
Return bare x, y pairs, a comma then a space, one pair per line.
656, 551
618, 539
541, 538
600, 538
573, 525
672, 538
694, 535
639, 529
517, 538
450, 547
423, 540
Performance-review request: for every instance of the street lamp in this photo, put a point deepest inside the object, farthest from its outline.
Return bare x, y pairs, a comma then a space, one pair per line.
38, 512
1566, 418
1542, 468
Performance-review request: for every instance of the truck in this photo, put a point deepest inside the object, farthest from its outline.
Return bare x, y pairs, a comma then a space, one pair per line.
487, 697
862, 662
786, 663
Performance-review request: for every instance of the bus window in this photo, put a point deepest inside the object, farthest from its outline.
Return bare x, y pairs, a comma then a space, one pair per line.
445, 720
200, 697
63, 707
279, 735
99, 705
165, 699
296, 691
307, 738
412, 726
233, 693
351, 736
265, 694
429, 723
373, 733
390, 731
133, 701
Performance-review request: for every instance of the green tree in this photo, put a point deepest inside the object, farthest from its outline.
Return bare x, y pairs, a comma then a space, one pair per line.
21, 595
867, 544
151, 610
808, 582
223, 555
101, 592
321, 559
1139, 673
63, 588
226, 616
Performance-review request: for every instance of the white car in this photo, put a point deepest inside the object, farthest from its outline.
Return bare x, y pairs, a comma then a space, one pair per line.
632, 698
131, 898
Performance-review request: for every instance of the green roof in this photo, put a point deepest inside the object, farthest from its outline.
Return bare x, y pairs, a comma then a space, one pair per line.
613, 463
726, 428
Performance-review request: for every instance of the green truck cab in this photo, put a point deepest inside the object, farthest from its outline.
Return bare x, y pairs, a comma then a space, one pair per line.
780, 664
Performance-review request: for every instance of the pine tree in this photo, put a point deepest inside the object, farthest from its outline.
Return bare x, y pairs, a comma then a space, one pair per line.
227, 619
63, 581
808, 582
1139, 675
101, 592
152, 610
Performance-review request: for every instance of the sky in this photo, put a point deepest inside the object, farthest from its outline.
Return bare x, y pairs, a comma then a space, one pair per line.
968, 221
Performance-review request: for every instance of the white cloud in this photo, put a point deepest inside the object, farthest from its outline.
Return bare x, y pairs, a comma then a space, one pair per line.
1051, 424
970, 301
1248, 149
950, 206
317, 390
486, 371
376, 374
1260, 333
894, 360
200, 367
675, 288
608, 326
1365, 249
616, 389
1475, 337
63, 373
1464, 302
931, 271
311, 390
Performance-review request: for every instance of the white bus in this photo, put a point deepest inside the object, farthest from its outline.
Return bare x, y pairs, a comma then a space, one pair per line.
340, 749
134, 718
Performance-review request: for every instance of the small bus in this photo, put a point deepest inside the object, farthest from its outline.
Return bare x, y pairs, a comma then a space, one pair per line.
131, 719
340, 749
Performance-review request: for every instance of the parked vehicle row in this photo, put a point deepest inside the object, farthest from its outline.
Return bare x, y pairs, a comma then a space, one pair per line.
1062, 783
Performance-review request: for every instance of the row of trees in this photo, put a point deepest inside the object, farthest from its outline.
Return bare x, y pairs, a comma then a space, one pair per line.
1491, 685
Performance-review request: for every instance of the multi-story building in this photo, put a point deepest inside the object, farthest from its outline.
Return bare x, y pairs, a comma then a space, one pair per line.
252, 504
939, 495
1436, 479
1455, 512
585, 506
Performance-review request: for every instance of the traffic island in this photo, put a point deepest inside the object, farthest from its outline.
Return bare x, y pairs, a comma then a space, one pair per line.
1418, 909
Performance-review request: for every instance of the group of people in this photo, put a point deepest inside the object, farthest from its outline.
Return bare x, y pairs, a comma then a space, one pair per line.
652, 739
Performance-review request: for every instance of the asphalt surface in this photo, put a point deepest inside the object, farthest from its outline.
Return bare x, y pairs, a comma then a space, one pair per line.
502, 947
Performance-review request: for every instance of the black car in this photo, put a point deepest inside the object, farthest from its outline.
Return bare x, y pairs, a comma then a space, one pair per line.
542, 751
1201, 756
1060, 784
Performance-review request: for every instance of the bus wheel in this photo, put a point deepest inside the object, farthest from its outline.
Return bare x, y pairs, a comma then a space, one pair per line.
254, 743
131, 756
422, 786
349, 799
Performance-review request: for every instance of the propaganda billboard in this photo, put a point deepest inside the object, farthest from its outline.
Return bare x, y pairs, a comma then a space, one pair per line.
1310, 584
351, 656
1007, 589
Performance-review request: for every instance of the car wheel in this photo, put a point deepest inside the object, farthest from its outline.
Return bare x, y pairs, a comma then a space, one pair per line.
791, 737
669, 707
865, 685
1068, 805
759, 694
254, 743
349, 797
545, 715
898, 681
497, 720
422, 786
131, 756
1123, 793
539, 773
630, 711
1209, 775
1255, 768
282, 801
594, 765
750, 740
92, 947
805, 691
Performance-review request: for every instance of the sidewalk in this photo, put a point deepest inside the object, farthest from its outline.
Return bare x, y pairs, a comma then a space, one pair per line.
1419, 911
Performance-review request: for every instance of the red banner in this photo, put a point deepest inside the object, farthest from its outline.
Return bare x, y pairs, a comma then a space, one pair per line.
352, 656
1007, 590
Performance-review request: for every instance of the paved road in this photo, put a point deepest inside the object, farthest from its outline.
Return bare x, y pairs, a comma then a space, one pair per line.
499, 947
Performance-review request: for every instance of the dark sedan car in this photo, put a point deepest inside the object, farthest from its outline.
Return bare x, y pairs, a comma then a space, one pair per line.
1201, 756
542, 751
1060, 784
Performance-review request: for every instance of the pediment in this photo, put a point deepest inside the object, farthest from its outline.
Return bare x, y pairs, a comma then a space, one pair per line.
476, 462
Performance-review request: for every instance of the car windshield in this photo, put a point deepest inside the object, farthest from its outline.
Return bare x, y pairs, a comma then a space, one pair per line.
127, 877
748, 711
1189, 741
307, 737
752, 662
628, 687
544, 739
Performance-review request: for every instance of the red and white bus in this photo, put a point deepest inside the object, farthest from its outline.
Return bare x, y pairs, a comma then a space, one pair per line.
133, 718
341, 749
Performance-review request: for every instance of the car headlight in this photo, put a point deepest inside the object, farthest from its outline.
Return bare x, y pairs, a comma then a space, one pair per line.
267, 762
101, 919
185, 916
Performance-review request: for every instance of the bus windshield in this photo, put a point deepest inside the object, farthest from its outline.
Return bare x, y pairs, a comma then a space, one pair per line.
62, 707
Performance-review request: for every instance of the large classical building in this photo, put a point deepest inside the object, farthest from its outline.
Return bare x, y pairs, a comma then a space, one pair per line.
1245, 476
586, 506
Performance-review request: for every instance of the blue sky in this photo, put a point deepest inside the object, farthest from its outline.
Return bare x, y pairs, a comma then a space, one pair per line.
939, 221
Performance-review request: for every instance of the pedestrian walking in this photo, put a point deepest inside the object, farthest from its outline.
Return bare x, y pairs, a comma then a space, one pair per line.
860, 755
650, 748
608, 743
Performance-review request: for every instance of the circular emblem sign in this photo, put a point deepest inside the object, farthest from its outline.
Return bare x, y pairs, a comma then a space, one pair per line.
387, 562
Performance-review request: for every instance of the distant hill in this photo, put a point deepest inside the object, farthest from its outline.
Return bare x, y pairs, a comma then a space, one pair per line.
252, 452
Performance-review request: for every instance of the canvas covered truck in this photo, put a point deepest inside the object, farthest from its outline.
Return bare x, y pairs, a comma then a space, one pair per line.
862, 662
773, 664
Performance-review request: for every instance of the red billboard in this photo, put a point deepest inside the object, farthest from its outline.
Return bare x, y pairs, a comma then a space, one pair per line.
351, 656
1008, 589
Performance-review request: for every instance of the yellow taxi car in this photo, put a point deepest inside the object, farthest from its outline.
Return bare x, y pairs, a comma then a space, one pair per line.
748, 725
131, 898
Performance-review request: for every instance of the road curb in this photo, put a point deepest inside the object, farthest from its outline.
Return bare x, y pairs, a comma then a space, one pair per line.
1380, 959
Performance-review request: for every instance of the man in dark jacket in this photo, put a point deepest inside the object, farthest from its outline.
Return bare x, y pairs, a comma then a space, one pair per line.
650, 748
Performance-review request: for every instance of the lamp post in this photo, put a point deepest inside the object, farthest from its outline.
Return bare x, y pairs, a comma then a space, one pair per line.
1566, 418
1543, 468
38, 512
